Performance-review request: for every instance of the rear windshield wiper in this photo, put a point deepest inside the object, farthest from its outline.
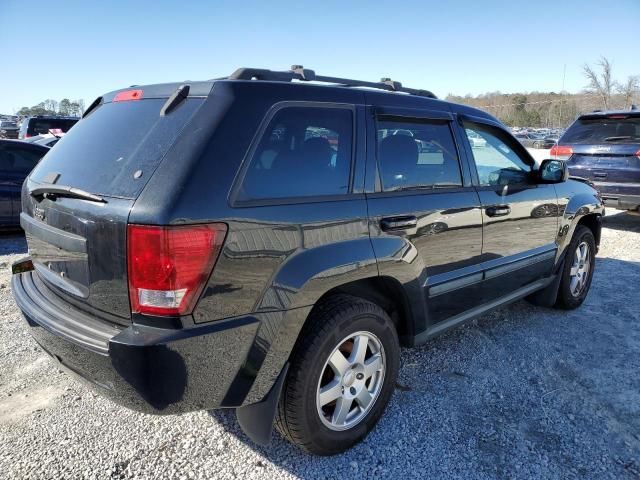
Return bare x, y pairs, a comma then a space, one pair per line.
51, 190
615, 139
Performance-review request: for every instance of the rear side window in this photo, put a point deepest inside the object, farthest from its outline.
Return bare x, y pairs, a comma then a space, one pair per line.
603, 130
417, 155
103, 151
304, 152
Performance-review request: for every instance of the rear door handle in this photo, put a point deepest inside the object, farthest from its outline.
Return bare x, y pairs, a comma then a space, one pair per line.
398, 223
600, 174
498, 210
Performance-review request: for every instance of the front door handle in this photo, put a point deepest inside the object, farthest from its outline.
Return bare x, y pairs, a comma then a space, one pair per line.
498, 210
600, 174
398, 223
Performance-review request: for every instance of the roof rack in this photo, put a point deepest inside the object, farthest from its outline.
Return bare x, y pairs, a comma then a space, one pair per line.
298, 72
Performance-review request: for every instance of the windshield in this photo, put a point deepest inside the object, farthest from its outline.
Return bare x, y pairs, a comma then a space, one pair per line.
603, 130
103, 151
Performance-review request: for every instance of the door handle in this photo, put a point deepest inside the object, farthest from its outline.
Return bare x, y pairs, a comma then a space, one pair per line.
398, 223
600, 174
498, 210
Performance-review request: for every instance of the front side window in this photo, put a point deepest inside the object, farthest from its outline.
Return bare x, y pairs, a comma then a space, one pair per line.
304, 152
416, 155
496, 162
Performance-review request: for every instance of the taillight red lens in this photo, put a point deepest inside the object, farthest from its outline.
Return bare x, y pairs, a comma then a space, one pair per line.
638, 154
561, 151
128, 95
169, 266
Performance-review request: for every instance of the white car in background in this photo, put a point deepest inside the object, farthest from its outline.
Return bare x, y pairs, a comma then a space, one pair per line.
476, 140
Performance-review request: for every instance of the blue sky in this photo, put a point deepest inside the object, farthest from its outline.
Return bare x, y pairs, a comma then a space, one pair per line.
83, 49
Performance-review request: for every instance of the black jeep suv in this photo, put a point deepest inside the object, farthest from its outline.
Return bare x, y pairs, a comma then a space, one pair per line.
263, 243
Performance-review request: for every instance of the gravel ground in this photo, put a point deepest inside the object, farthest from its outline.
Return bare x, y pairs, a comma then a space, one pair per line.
524, 392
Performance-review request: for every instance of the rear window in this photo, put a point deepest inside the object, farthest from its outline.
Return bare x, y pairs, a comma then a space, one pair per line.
104, 150
8, 125
39, 126
603, 130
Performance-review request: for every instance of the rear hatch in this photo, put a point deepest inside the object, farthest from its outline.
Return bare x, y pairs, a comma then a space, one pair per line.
605, 148
76, 202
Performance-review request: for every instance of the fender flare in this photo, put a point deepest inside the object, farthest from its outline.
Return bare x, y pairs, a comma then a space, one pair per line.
578, 207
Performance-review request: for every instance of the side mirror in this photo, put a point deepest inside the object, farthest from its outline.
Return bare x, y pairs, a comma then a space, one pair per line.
553, 171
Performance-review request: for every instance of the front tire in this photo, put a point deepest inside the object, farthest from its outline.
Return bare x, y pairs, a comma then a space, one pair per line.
342, 375
578, 269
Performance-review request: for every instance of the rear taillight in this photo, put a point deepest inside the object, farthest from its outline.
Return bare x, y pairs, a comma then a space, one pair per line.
560, 152
27, 135
128, 95
638, 154
169, 266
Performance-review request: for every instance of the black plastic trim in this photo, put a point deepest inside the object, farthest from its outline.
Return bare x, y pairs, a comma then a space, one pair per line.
256, 420
56, 317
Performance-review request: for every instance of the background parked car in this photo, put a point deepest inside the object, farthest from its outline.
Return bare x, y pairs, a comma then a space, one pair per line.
8, 129
533, 140
41, 124
47, 139
17, 159
604, 147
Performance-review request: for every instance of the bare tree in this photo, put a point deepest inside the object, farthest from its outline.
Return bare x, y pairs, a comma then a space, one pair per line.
600, 83
629, 89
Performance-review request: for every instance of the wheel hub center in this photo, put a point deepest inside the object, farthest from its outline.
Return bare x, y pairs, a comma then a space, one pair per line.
349, 378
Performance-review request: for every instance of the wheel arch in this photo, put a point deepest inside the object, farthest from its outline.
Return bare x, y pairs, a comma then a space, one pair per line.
583, 208
386, 292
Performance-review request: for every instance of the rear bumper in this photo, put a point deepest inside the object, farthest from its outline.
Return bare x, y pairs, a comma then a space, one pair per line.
155, 370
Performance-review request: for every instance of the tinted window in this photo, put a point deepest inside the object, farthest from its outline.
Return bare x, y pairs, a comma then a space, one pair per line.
6, 161
497, 162
417, 155
603, 130
305, 151
25, 159
103, 151
39, 126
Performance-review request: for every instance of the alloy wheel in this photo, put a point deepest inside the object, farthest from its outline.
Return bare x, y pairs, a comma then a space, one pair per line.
351, 380
579, 272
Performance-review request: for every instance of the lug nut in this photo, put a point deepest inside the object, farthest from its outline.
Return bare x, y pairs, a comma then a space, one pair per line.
352, 390
360, 376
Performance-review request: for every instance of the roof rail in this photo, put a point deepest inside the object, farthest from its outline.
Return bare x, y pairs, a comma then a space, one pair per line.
298, 72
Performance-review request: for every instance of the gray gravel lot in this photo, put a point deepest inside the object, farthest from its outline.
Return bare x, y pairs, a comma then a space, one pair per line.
523, 392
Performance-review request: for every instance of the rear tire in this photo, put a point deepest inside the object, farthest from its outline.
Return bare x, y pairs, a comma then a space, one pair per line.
343, 372
578, 269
